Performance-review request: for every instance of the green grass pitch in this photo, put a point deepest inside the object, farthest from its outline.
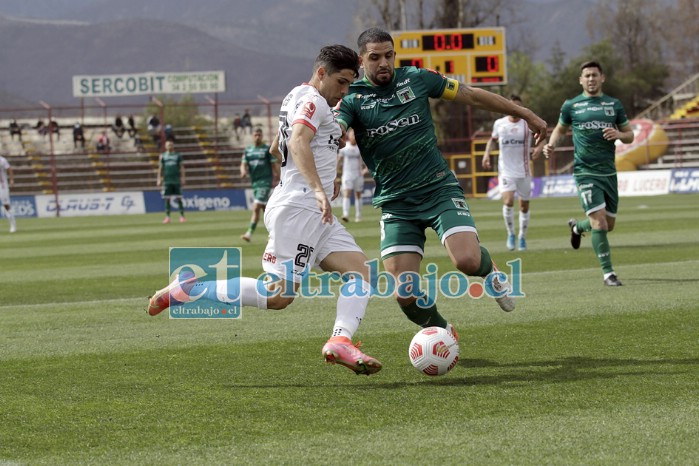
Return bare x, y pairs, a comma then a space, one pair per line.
578, 374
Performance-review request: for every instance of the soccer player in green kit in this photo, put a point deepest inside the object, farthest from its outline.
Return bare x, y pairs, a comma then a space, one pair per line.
597, 121
389, 111
171, 178
263, 170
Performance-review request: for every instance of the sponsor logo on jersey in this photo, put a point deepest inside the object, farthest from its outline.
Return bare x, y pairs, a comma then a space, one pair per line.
406, 95
518, 142
459, 203
594, 109
403, 83
580, 104
309, 109
393, 125
269, 257
369, 105
593, 125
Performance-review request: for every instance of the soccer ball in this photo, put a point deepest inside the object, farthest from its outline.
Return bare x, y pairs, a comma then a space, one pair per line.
433, 351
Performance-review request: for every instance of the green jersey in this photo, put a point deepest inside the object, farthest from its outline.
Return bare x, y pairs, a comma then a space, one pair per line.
589, 115
170, 163
259, 161
395, 134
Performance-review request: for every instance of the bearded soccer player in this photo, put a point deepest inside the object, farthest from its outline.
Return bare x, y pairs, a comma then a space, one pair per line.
598, 120
389, 111
303, 232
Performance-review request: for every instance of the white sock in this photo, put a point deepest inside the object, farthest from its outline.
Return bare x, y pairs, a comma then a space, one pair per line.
357, 208
10, 217
219, 290
523, 224
350, 312
508, 213
346, 202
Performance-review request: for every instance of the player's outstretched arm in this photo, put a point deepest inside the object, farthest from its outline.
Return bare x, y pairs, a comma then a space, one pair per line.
480, 98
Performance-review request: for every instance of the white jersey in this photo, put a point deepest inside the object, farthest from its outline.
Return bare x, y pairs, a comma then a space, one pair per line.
351, 162
306, 106
4, 182
514, 140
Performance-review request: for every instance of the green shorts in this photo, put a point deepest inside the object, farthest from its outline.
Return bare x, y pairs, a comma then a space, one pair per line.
261, 194
597, 193
403, 222
172, 189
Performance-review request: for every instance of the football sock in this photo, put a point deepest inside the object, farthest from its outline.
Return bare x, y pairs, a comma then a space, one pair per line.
167, 206
180, 203
602, 250
350, 312
10, 217
424, 317
224, 290
486, 264
346, 202
508, 213
251, 227
357, 208
582, 226
523, 223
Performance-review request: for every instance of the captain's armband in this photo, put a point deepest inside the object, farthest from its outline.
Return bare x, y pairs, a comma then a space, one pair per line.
450, 89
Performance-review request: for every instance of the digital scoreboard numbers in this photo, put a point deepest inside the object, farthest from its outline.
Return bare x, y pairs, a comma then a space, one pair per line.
473, 56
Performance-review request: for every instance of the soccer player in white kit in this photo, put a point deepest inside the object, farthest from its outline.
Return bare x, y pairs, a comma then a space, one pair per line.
514, 175
353, 171
6, 182
303, 232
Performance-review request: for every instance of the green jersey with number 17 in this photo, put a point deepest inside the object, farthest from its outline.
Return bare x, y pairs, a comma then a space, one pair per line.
589, 115
395, 134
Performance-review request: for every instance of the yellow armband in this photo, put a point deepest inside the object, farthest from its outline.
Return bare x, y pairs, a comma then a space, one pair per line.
450, 89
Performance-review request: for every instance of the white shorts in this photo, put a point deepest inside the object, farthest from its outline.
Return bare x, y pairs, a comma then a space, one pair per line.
522, 186
355, 184
298, 241
4, 196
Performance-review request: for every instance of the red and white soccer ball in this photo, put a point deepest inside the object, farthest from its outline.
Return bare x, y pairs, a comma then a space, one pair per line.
433, 351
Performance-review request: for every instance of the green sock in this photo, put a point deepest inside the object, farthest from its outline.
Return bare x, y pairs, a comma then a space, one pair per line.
583, 226
251, 228
167, 207
180, 202
424, 317
602, 249
486, 264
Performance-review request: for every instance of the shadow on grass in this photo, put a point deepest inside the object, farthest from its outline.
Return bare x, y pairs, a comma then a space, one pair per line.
570, 369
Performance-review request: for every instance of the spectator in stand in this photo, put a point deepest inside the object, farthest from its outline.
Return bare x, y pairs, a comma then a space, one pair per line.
169, 133
41, 128
237, 126
119, 128
154, 129
246, 121
103, 143
54, 128
78, 136
132, 126
15, 129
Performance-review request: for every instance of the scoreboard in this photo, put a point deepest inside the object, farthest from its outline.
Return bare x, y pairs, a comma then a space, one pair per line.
475, 56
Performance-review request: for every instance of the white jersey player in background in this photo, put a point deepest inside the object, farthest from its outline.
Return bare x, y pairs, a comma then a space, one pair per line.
303, 232
514, 175
353, 171
7, 180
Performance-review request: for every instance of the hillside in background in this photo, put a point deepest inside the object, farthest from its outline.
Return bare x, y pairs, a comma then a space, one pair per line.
264, 46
